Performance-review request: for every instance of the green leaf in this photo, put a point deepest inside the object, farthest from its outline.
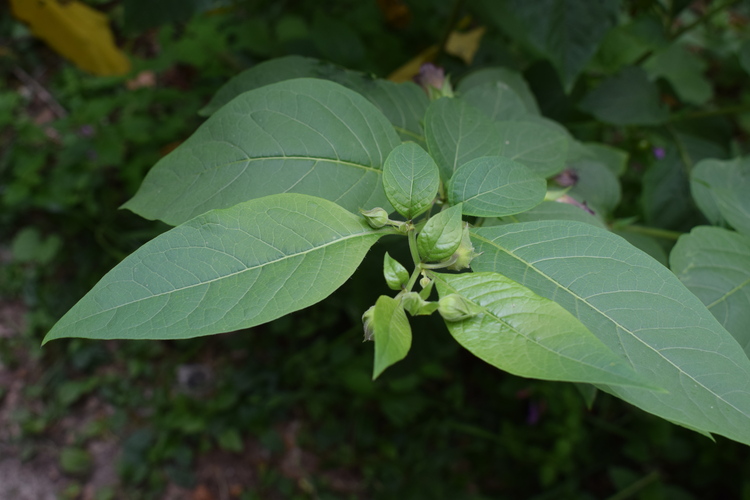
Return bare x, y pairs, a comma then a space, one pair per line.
441, 236
666, 194
392, 334
647, 244
728, 184
527, 335
225, 270
411, 180
714, 264
566, 32
684, 70
513, 79
458, 133
625, 44
494, 186
304, 136
596, 185
404, 104
614, 159
628, 98
640, 310
396, 275
540, 147
497, 100
551, 210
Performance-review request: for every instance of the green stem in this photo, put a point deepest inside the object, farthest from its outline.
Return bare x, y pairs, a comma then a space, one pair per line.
653, 231
412, 236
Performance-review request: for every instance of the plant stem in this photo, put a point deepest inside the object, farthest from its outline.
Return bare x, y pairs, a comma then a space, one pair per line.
412, 236
653, 231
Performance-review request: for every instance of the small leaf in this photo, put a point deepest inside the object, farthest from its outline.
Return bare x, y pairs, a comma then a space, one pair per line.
714, 264
304, 136
441, 236
684, 70
494, 186
392, 334
596, 185
522, 333
415, 305
225, 270
628, 98
640, 310
396, 275
411, 180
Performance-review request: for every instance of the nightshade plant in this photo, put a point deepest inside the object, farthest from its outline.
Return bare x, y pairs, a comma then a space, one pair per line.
302, 167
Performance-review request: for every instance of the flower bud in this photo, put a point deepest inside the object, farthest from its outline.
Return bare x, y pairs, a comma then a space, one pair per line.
376, 217
367, 323
454, 307
465, 252
416, 305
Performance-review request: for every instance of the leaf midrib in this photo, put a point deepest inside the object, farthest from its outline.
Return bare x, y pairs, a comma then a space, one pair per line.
284, 257
560, 286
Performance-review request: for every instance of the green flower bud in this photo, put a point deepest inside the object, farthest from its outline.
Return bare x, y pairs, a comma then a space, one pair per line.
427, 285
376, 217
396, 275
416, 305
454, 307
465, 252
367, 323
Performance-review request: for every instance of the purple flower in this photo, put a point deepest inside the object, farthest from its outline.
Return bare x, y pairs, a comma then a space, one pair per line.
567, 178
430, 76
659, 153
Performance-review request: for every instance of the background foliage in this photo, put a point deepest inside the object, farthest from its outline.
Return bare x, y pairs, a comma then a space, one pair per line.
663, 81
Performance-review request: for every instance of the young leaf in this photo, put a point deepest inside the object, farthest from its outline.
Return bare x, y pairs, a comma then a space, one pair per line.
527, 335
411, 179
304, 136
225, 270
728, 184
396, 275
714, 264
441, 236
392, 334
494, 186
640, 310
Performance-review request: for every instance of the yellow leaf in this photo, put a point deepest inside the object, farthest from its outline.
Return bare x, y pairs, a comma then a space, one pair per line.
465, 45
76, 32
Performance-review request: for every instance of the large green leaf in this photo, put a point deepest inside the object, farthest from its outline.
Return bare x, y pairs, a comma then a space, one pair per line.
493, 186
522, 333
714, 264
727, 184
404, 104
628, 98
304, 136
640, 310
225, 270
458, 132
411, 179
566, 32
392, 334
